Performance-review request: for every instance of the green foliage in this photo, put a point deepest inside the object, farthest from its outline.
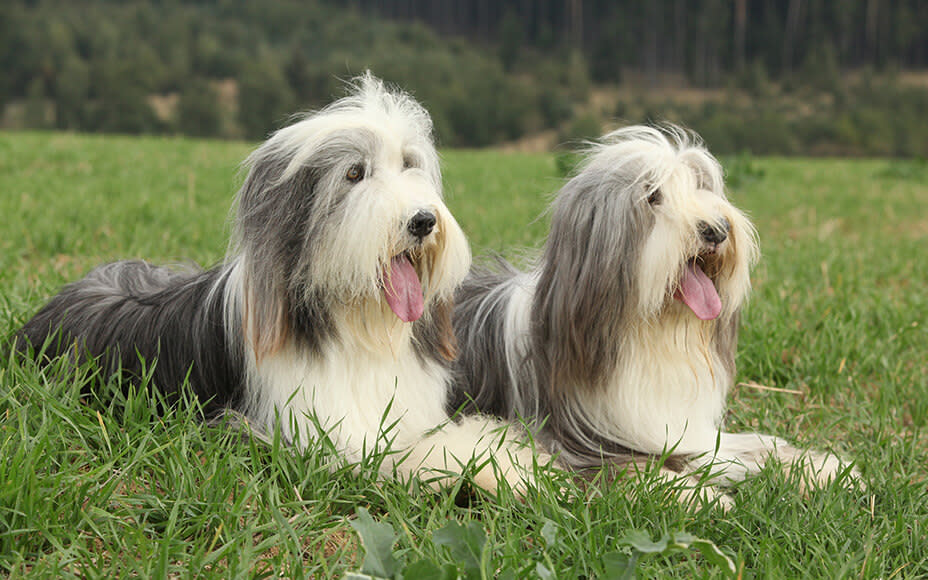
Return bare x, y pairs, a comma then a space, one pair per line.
757, 130
72, 90
198, 110
820, 70
555, 106
377, 540
873, 116
578, 76
37, 105
510, 39
264, 100
95, 65
756, 80
620, 565
742, 170
471, 551
118, 102
103, 62
582, 129
467, 545
608, 52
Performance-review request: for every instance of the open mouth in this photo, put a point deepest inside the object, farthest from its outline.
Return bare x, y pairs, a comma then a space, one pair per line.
402, 289
698, 292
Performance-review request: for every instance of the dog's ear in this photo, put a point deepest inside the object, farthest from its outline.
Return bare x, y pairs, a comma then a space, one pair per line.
434, 333
265, 322
586, 285
447, 343
270, 227
271, 212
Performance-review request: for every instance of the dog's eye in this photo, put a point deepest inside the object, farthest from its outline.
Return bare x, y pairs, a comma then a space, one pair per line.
355, 174
408, 162
656, 197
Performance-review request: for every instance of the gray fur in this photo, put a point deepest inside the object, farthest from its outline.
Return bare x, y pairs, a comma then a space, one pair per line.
138, 318
587, 284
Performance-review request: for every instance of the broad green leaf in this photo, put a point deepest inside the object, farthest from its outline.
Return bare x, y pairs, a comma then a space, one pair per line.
549, 533
542, 572
465, 542
715, 556
619, 566
377, 539
428, 570
641, 541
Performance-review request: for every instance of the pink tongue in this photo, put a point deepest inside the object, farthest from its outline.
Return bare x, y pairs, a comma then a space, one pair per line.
698, 292
402, 289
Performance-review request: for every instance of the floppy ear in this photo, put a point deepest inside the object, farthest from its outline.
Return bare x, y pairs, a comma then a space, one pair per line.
271, 229
434, 333
448, 342
586, 285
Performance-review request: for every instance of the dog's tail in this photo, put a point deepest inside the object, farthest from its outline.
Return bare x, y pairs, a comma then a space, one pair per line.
138, 320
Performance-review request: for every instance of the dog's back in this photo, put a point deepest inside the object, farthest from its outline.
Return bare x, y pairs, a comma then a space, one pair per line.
121, 314
482, 370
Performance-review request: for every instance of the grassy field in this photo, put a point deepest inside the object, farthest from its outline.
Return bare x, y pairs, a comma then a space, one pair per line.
103, 488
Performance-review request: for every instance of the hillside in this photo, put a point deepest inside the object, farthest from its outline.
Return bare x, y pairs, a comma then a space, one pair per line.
822, 79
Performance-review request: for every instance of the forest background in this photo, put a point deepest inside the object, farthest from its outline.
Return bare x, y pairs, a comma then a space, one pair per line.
793, 77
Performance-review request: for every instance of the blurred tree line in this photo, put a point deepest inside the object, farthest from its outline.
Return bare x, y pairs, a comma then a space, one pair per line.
236, 68
488, 71
705, 40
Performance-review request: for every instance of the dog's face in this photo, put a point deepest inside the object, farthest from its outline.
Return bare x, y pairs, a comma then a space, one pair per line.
699, 250
344, 209
649, 209
379, 229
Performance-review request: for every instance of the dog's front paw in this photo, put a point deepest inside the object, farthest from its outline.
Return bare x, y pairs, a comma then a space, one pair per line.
707, 495
518, 466
693, 492
821, 469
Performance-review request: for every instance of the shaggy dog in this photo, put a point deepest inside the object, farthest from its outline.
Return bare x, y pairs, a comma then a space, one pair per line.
331, 312
620, 341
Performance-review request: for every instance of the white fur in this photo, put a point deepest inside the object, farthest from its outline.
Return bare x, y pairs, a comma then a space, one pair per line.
368, 402
656, 400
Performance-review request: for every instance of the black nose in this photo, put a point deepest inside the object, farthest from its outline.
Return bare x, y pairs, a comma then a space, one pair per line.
421, 224
714, 234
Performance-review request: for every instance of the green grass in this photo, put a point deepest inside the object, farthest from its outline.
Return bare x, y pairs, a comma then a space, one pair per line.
105, 488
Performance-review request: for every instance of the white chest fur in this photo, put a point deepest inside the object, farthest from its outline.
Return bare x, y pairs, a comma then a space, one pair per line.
347, 391
667, 391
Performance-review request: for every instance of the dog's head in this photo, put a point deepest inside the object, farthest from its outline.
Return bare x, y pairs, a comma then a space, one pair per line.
343, 210
643, 233
649, 205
